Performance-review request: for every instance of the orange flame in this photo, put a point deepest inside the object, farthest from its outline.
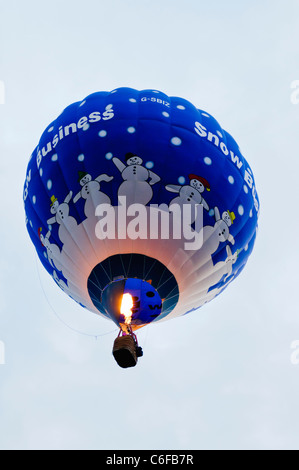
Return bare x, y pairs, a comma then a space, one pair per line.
126, 308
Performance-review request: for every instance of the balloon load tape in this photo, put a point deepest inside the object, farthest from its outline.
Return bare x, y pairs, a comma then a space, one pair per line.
124, 351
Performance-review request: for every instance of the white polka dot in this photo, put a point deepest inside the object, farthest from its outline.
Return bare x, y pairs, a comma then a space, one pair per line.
131, 130
212, 212
31, 224
207, 161
180, 106
54, 158
49, 185
41, 172
241, 210
133, 100
205, 114
34, 199
102, 133
176, 141
231, 179
155, 91
149, 165
245, 189
45, 255
250, 213
81, 157
86, 127
246, 247
109, 155
83, 103
113, 91
220, 135
51, 129
165, 114
182, 180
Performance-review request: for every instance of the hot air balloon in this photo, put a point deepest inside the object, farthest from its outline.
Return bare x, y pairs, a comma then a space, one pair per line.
141, 208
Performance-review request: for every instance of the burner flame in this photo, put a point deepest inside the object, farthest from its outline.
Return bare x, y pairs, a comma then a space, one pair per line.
126, 308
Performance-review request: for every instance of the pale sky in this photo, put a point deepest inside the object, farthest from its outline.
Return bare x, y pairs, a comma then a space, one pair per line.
221, 377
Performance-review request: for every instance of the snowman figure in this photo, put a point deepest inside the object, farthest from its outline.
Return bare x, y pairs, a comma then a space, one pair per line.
63, 286
222, 274
190, 194
230, 261
67, 224
222, 225
53, 251
91, 192
219, 233
138, 180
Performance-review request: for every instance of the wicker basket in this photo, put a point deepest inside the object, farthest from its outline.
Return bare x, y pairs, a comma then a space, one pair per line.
124, 351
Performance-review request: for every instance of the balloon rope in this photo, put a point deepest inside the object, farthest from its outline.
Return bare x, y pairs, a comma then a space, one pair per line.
59, 318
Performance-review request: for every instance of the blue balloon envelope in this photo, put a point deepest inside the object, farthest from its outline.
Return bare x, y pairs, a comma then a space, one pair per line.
135, 192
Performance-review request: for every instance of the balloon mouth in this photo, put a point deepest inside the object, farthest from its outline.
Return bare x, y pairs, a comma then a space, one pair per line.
153, 288
131, 302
